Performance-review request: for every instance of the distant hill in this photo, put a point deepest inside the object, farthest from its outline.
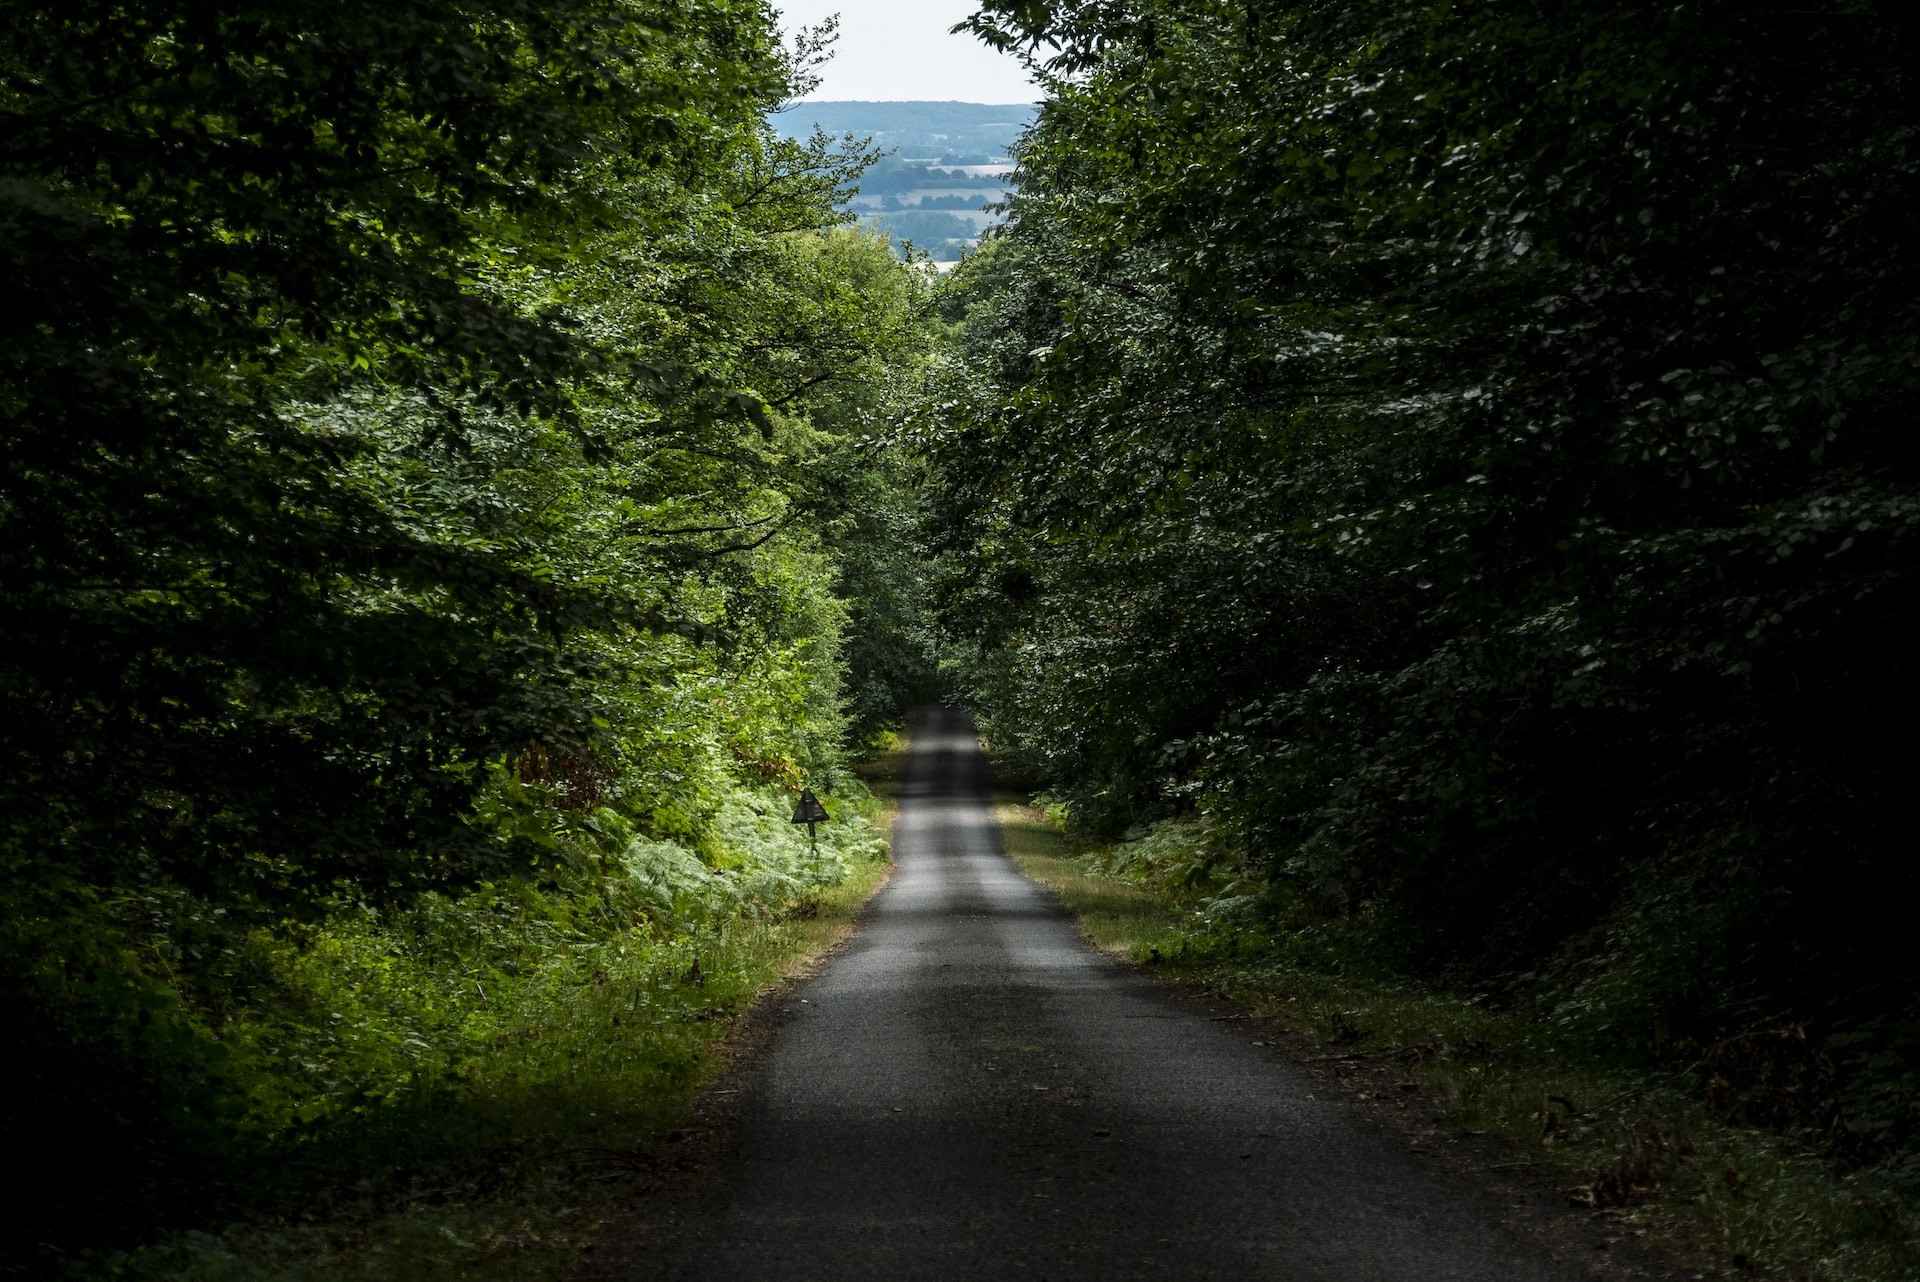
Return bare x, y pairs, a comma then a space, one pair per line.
961, 132
945, 163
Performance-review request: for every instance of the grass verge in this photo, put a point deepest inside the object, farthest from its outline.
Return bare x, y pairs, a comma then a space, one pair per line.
525, 1208
1644, 1158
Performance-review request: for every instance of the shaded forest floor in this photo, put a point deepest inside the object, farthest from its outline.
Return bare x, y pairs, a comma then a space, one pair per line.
1638, 1159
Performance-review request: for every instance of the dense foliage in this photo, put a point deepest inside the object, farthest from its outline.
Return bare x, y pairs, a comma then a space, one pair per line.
439, 457
1447, 458
1461, 453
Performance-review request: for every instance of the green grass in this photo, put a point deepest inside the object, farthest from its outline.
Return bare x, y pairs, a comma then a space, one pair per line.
509, 1173
1642, 1153
1116, 916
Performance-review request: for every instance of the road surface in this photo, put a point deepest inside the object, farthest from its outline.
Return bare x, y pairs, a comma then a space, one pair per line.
969, 1091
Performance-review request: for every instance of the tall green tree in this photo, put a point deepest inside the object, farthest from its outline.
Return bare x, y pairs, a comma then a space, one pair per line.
1461, 452
219, 214
436, 436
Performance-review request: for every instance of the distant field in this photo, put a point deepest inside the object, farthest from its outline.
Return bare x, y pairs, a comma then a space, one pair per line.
913, 128
978, 219
984, 195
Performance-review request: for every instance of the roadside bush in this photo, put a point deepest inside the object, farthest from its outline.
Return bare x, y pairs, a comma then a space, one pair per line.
370, 1044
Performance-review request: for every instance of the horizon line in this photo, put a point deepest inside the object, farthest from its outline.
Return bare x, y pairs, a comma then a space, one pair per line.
964, 102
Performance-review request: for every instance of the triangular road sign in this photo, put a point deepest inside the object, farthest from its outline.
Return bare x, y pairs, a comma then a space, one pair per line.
809, 811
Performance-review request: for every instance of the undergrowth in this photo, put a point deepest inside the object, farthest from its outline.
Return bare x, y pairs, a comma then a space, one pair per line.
458, 1090
1637, 1144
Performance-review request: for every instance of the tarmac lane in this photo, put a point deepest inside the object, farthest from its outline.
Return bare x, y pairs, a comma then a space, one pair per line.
970, 1091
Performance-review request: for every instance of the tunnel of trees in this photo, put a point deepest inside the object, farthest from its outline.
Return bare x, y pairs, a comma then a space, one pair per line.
462, 477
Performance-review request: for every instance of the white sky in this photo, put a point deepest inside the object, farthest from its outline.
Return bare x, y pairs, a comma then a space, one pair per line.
899, 50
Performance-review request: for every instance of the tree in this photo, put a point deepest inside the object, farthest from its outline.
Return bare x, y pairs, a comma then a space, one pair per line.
1458, 454
429, 427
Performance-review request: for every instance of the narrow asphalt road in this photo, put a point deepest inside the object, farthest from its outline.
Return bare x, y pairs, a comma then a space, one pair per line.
970, 1091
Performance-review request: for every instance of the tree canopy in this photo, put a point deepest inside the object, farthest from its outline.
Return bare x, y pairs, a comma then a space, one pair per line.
440, 439
1461, 454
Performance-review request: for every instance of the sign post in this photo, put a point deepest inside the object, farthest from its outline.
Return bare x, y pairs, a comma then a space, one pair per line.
810, 812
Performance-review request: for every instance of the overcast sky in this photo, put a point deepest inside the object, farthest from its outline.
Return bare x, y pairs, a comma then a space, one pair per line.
900, 50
